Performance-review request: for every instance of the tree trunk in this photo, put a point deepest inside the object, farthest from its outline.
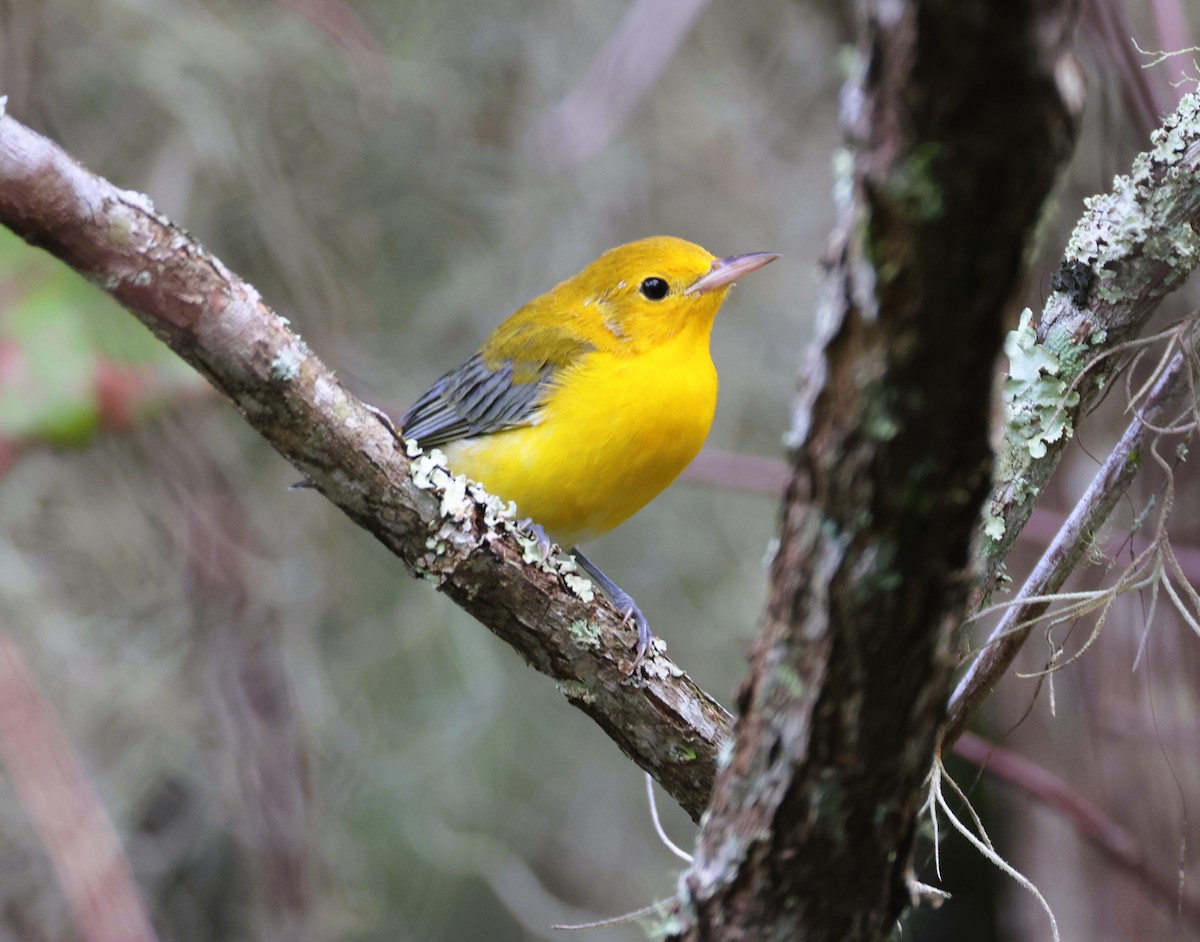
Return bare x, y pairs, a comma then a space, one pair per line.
957, 128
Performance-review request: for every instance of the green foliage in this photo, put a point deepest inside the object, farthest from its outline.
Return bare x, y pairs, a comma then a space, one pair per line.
67, 351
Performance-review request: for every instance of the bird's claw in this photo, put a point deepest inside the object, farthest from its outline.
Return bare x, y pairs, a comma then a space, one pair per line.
545, 544
645, 636
630, 612
623, 602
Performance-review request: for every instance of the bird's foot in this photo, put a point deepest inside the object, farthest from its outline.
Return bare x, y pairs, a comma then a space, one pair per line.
631, 612
623, 602
544, 542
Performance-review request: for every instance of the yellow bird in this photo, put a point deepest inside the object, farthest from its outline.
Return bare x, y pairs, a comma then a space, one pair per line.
591, 399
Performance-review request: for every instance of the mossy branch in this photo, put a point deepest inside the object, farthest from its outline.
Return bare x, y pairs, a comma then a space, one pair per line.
1132, 247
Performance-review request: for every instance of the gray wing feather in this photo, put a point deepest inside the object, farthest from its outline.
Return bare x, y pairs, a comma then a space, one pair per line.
473, 400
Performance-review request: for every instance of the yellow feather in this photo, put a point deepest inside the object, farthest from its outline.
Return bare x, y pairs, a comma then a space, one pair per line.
629, 388
614, 432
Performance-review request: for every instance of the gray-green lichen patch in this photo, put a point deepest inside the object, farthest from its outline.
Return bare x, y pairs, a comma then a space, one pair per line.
665, 926
993, 524
1141, 216
584, 634
285, 367
429, 473
106, 282
465, 505
879, 420
1037, 398
843, 180
654, 667
580, 587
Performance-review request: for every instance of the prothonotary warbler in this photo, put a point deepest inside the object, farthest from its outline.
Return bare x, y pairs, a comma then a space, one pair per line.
592, 398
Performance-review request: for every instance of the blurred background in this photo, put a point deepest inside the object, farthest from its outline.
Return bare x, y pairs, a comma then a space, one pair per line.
292, 737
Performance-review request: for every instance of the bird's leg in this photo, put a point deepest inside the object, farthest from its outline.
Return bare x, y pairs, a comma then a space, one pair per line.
623, 601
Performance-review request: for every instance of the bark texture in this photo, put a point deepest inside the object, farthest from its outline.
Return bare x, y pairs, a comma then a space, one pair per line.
957, 128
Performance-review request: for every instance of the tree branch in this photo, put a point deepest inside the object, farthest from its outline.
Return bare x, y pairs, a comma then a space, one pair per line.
443, 531
1133, 247
1074, 539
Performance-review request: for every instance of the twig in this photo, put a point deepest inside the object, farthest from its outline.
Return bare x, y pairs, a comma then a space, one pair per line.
1068, 548
1132, 247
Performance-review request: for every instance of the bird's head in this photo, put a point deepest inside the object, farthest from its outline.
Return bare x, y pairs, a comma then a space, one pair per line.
653, 289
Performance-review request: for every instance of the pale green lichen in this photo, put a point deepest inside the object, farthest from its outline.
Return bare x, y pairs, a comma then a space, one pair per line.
843, 179
879, 421
460, 499
665, 927
423, 469
1037, 398
993, 525
456, 503
1139, 218
285, 367
534, 550
655, 667
579, 586
105, 282
120, 229
584, 634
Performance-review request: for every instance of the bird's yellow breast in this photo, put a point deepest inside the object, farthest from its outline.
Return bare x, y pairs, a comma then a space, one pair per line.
615, 430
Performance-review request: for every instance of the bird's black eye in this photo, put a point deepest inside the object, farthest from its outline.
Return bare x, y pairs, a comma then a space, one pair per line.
655, 288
